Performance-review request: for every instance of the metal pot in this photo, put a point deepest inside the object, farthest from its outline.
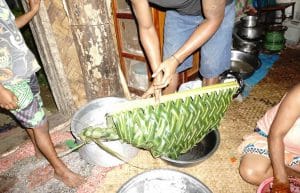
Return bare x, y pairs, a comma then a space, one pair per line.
164, 180
251, 47
275, 34
247, 48
274, 47
249, 21
274, 38
94, 114
251, 33
243, 63
202, 151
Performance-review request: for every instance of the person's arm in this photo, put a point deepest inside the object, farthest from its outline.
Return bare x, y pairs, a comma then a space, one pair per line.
148, 37
22, 20
288, 113
7, 99
249, 9
213, 11
147, 32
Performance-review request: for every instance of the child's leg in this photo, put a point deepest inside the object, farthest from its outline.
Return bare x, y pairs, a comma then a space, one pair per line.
255, 168
31, 115
38, 154
44, 143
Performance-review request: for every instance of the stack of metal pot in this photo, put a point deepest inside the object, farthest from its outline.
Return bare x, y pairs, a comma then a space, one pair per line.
247, 42
248, 35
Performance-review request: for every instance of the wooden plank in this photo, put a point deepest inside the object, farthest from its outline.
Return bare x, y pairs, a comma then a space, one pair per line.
68, 53
90, 24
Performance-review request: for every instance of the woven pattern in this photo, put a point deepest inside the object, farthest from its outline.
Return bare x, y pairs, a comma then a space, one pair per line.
173, 127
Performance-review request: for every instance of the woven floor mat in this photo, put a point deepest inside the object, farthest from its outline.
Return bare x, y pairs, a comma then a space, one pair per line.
220, 171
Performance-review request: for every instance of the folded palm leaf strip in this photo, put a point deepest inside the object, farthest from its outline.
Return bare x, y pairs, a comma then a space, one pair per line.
171, 127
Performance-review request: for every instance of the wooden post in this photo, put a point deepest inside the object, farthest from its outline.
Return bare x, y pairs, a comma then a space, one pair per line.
90, 25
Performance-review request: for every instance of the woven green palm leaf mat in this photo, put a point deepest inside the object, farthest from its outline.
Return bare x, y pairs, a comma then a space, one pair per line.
175, 124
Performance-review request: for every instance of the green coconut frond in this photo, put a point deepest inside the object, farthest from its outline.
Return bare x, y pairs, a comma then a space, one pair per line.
174, 125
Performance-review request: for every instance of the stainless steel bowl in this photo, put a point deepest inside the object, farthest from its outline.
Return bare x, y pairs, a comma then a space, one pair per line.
249, 21
94, 114
164, 181
251, 33
203, 150
248, 46
244, 63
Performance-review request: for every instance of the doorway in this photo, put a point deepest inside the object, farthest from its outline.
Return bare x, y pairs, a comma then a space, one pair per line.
11, 134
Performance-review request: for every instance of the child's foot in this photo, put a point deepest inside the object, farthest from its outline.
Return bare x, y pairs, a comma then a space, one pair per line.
70, 178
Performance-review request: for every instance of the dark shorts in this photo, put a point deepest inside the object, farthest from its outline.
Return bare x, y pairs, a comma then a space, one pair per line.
30, 112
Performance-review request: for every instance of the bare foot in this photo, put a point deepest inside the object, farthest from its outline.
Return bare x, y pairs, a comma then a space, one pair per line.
70, 178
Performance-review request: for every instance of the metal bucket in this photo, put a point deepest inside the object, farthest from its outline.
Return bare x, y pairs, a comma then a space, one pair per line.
202, 151
249, 21
243, 63
164, 181
93, 114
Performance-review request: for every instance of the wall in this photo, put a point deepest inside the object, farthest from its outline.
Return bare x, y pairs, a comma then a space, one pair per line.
70, 46
297, 10
64, 39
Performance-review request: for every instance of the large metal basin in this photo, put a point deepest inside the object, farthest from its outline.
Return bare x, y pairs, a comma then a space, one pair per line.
202, 151
93, 114
244, 63
164, 181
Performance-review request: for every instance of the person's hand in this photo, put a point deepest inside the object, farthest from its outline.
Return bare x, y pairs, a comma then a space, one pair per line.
280, 186
152, 91
34, 5
7, 99
249, 10
168, 68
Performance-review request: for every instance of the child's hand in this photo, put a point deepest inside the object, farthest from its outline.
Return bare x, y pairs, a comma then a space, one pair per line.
280, 187
7, 99
34, 5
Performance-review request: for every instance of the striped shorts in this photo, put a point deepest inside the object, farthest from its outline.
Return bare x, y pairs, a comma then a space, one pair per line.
257, 143
30, 113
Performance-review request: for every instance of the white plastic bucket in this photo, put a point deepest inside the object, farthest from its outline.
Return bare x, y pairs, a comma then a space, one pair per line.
292, 34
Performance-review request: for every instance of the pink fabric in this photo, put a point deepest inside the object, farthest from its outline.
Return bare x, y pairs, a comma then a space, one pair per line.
292, 138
